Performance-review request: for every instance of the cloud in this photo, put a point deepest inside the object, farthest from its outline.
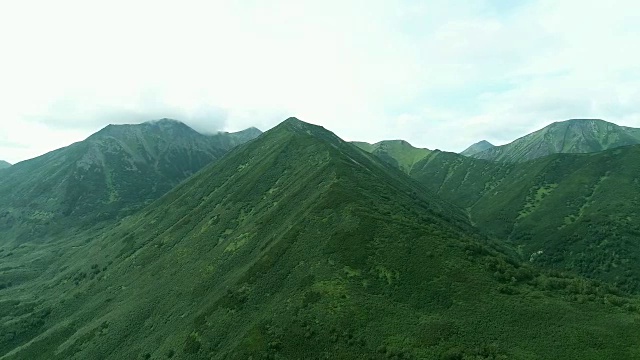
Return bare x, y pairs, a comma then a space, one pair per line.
441, 74
73, 112
543, 62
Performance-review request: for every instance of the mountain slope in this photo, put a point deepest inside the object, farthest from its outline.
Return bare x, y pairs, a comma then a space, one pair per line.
300, 246
566, 211
4, 164
477, 147
110, 174
398, 153
571, 136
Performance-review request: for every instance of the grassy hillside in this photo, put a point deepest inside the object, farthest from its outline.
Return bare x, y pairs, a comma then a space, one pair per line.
112, 173
398, 153
300, 246
571, 136
577, 212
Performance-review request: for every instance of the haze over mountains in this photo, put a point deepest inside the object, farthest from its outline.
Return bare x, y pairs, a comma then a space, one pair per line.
297, 244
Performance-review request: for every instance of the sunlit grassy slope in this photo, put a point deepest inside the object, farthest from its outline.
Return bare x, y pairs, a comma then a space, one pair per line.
301, 246
398, 153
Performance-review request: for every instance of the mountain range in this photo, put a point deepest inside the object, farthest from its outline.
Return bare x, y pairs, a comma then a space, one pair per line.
571, 136
574, 212
4, 164
564, 211
299, 245
110, 174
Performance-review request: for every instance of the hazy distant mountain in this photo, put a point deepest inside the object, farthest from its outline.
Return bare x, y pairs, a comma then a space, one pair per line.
398, 153
112, 173
298, 245
477, 147
227, 140
4, 164
571, 136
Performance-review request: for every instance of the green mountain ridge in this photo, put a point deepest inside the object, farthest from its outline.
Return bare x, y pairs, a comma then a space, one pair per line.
398, 153
299, 245
110, 174
4, 164
571, 136
564, 211
477, 148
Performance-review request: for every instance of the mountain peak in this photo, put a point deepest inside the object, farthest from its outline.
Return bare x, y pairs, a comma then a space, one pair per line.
164, 121
163, 125
295, 123
398, 153
252, 131
582, 123
298, 126
398, 142
110, 174
576, 120
569, 136
478, 147
253, 128
4, 164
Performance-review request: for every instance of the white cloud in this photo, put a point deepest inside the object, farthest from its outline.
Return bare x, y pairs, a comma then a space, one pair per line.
551, 60
440, 74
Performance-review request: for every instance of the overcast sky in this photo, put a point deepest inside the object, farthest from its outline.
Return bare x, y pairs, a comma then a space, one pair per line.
440, 74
